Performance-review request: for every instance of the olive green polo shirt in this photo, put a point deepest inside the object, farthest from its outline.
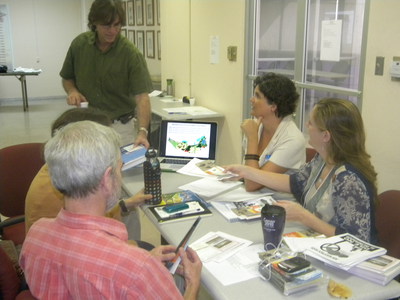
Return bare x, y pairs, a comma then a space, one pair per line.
109, 80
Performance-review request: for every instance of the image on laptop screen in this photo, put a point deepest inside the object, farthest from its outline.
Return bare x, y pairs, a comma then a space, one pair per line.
186, 139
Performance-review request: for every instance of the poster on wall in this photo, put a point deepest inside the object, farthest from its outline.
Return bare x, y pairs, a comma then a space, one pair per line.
331, 37
6, 50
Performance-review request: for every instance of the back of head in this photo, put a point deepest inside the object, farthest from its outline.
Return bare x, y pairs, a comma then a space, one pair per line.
278, 90
105, 12
344, 122
78, 156
80, 114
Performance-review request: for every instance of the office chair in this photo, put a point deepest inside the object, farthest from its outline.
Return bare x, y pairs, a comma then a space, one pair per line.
18, 166
310, 153
11, 285
388, 221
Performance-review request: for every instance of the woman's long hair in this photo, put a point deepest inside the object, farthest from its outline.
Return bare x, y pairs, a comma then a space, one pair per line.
343, 121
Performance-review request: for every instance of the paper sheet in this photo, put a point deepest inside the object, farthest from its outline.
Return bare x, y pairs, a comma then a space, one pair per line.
210, 187
240, 267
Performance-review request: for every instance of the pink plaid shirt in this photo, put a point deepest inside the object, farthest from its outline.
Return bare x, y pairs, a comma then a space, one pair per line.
78, 256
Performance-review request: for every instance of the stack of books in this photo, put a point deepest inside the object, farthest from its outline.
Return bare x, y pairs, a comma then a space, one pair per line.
343, 251
291, 275
380, 270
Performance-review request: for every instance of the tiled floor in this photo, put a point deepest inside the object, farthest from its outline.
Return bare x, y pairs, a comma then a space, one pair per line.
17, 127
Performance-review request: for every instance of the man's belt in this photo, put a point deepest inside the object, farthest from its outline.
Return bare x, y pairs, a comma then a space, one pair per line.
125, 118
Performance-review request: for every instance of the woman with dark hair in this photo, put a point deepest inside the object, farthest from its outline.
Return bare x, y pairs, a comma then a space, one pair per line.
272, 140
336, 191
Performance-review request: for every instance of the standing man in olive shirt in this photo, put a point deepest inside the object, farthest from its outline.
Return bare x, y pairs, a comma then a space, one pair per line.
106, 70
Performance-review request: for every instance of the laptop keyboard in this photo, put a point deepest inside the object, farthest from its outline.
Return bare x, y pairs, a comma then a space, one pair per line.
174, 161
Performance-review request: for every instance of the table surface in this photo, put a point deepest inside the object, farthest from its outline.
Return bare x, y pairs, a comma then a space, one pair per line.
158, 104
19, 73
255, 288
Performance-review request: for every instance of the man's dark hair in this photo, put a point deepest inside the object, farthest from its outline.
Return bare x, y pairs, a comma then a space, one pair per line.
106, 12
80, 114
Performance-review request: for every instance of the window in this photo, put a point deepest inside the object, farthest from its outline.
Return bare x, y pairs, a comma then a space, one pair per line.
317, 43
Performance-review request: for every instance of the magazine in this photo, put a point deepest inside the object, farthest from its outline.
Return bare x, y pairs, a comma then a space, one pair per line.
179, 197
343, 251
381, 269
242, 210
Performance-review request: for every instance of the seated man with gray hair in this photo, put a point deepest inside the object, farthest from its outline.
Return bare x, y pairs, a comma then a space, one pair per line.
81, 254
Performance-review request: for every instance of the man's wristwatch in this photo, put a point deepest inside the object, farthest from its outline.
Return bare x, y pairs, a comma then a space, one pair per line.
124, 209
144, 130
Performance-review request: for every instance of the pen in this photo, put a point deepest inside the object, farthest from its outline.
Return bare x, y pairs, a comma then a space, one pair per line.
177, 113
183, 213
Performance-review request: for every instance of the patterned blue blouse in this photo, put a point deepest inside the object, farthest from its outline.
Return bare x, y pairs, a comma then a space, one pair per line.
345, 199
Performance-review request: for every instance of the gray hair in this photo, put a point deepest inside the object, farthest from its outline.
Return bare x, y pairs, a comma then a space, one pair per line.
78, 156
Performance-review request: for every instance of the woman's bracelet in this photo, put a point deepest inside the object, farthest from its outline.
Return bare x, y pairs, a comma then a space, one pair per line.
251, 157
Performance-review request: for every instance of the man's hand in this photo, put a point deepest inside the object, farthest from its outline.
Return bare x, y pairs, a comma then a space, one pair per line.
141, 139
192, 266
164, 253
137, 199
75, 98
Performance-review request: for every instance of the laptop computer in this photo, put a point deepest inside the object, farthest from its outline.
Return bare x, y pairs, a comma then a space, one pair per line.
181, 141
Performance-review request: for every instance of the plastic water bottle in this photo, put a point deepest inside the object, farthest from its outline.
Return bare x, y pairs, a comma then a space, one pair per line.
152, 177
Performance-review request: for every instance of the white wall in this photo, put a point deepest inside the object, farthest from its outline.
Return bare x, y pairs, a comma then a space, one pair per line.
381, 104
186, 58
42, 31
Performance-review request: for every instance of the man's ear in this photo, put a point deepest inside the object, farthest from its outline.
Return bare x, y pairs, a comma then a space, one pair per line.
107, 180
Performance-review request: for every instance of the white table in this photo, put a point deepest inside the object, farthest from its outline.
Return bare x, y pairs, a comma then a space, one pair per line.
253, 289
21, 76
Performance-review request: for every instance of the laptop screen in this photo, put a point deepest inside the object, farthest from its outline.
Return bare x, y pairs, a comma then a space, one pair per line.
186, 139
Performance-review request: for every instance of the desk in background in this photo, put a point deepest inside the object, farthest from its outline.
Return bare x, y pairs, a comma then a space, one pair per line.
255, 288
21, 76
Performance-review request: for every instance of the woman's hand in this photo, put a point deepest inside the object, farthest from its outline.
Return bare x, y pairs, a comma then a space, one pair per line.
240, 170
250, 128
294, 211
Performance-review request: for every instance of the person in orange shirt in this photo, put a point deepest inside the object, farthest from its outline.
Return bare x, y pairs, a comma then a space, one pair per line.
44, 200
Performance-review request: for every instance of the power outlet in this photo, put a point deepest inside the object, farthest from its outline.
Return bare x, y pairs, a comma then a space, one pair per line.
232, 53
379, 65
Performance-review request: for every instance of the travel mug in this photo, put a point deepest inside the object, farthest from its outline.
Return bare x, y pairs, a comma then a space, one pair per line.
273, 223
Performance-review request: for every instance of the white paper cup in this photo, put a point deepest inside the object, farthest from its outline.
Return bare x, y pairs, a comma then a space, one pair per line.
84, 104
192, 101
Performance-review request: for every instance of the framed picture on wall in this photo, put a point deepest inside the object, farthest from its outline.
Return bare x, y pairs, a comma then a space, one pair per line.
131, 36
139, 12
140, 40
150, 43
149, 12
130, 13
159, 44
123, 32
158, 11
